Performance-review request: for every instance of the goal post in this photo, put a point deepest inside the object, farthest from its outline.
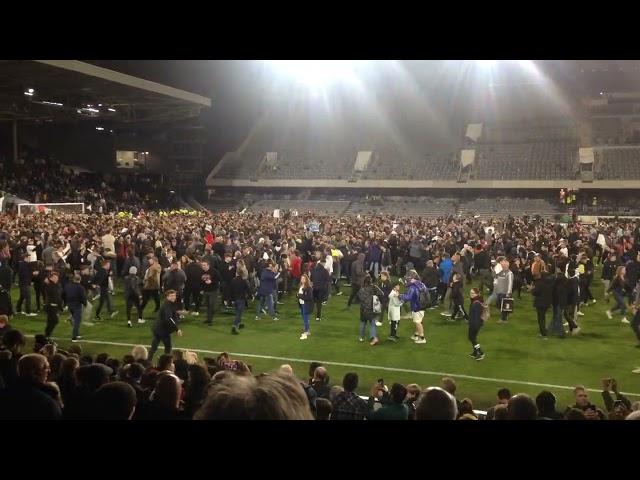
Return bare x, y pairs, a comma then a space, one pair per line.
44, 208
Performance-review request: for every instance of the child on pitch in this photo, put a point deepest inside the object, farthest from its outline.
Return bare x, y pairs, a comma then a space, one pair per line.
386, 286
457, 297
395, 305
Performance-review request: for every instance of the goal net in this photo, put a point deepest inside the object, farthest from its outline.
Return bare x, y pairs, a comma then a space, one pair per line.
44, 208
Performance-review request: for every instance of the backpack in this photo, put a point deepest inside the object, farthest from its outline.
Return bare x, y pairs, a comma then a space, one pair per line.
486, 312
424, 300
377, 306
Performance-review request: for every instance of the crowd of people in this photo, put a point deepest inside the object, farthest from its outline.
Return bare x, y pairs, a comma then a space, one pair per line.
55, 384
42, 179
203, 263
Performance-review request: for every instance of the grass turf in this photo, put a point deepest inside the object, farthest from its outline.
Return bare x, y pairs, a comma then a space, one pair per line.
605, 348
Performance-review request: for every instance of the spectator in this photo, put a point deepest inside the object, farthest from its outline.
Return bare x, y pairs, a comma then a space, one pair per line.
269, 397
413, 394
347, 405
394, 410
521, 407
546, 404
114, 401
436, 404
30, 398
504, 394
323, 409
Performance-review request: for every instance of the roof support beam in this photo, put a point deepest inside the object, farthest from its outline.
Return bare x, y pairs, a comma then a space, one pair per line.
128, 80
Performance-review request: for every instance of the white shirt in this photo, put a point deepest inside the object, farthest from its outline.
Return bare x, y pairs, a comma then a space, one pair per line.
328, 264
300, 300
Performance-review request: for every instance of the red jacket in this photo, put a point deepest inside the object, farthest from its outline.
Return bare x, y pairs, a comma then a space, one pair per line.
296, 267
210, 238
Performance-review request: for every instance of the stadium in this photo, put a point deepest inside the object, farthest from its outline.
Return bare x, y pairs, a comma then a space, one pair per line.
314, 239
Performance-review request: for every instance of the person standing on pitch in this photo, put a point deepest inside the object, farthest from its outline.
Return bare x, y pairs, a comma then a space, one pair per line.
475, 322
166, 323
53, 301
132, 294
101, 280
75, 298
417, 291
503, 285
305, 301
239, 291
394, 312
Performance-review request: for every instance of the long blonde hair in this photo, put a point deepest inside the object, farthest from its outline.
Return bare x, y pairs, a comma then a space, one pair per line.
307, 281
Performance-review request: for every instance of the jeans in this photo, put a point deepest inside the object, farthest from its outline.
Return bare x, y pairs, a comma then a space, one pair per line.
319, 296
52, 319
373, 333
556, 321
375, 268
25, 295
191, 295
542, 321
240, 306
619, 303
570, 316
260, 304
132, 301
105, 296
76, 315
166, 340
305, 318
146, 295
210, 299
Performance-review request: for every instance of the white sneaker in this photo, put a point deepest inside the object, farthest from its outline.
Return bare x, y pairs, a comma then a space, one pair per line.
338, 294
195, 314
594, 301
636, 370
575, 331
275, 319
142, 320
580, 313
421, 340
624, 320
609, 316
378, 324
129, 324
114, 314
414, 337
445, 314
361, 339
88, 324
32, 314
23, 313
303, 336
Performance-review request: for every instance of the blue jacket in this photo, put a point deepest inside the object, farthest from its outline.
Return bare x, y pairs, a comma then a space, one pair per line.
374, 254
413, 295
267, 282
446, 265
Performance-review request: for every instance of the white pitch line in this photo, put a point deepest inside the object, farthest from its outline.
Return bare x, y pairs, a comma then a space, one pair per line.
502, 381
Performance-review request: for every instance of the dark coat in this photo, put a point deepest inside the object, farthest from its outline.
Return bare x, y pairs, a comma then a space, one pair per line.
320, 278
307, 297
167, 320
543, 292
27, 400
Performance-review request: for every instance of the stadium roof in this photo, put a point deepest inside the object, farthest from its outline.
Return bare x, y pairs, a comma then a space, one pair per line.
70, 90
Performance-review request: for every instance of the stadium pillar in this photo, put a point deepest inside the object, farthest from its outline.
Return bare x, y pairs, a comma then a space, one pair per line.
15, 142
